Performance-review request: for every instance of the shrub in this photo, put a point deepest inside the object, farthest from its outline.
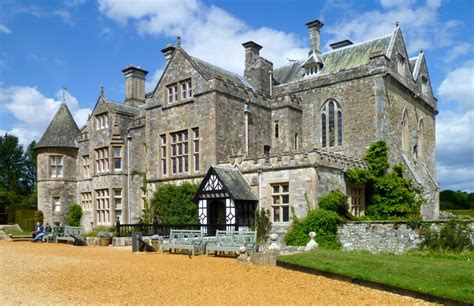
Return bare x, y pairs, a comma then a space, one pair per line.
262, 224
388, 195
334, 201
74, 215
173, 204
321, 221
452, 236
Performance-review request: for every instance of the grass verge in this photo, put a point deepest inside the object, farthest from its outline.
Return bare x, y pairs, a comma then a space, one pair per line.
436, 275
17, 233
462, 212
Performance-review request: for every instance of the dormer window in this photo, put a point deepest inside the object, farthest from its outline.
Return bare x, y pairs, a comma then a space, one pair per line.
312, 70
312, 65
101, 121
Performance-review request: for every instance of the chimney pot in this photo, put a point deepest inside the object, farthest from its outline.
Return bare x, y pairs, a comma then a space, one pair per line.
168, 52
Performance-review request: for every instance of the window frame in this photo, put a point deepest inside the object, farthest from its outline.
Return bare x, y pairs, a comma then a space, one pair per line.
56, 166
332, 124
281, 205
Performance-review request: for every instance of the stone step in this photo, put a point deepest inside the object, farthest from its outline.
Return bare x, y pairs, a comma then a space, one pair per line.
20, 237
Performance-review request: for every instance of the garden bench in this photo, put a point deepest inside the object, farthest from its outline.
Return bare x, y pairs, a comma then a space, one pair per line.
232, 241
191, 240
68, 233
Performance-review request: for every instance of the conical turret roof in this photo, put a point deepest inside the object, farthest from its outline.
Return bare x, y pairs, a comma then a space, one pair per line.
61, 132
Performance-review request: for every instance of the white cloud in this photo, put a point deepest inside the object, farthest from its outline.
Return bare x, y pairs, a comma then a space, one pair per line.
4, 29
207, 32
458, 86
455, 130
34, 111
457, 51
420, 24
151, 82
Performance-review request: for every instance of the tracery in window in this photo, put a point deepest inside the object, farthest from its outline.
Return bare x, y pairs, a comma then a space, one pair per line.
331, 124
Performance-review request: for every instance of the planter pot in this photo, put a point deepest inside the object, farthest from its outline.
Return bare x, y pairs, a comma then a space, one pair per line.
156, 244
105, 241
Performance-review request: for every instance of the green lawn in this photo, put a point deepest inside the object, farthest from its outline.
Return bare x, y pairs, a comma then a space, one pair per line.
14, 232
462, 212
448, 276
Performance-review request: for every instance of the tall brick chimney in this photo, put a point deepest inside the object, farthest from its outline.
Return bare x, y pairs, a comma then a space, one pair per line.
134, 85
314, 36
257, 69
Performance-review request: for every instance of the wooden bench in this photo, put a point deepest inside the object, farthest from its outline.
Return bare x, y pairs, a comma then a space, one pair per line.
232, 241
190, 240
67, 233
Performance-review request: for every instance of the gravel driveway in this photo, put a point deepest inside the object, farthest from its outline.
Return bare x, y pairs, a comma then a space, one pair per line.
47, 273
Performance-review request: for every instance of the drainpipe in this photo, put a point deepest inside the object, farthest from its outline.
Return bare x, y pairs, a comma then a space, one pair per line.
259, 189
247, 111
129, 140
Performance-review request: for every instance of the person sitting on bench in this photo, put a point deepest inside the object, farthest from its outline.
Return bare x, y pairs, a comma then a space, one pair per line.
44, 234
39, 229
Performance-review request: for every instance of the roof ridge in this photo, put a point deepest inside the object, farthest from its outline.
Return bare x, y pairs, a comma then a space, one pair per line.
357, 44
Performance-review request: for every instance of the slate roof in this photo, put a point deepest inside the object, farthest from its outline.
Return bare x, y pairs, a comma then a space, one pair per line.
127, 109
211, 71
335, 60
61, 132
233, 181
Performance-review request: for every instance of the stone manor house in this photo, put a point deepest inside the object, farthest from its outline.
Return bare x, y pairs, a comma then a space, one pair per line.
273, 138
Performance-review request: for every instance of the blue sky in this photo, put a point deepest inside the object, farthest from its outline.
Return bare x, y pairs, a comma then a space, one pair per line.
83, 45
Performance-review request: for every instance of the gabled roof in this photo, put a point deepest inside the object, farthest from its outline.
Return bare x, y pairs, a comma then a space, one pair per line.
61, 132
336, 60
127, 109
211, 71
230, 182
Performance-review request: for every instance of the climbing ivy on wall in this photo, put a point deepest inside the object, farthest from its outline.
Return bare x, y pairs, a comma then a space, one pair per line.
388, 194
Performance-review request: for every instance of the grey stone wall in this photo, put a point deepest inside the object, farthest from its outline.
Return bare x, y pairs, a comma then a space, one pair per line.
392, 237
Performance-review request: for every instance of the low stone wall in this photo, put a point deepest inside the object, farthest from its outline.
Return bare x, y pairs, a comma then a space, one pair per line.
393, 237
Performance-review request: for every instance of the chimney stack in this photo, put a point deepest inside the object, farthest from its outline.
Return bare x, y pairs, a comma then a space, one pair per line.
257, 68
134, 85
314, 36
168, 52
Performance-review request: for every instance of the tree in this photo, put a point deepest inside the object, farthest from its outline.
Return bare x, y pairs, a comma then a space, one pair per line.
11, 162
172, 204
30, 168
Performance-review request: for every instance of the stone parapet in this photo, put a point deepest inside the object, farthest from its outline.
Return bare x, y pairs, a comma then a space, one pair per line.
314, 157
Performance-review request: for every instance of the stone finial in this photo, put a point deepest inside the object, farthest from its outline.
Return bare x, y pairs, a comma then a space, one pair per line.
312, 244
102, 91
397, 24
178, 41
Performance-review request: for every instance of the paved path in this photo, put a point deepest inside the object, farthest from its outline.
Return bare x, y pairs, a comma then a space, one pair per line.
41, 273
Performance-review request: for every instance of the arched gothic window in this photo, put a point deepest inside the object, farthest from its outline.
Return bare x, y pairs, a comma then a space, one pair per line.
331, 124
405, 134
421, 131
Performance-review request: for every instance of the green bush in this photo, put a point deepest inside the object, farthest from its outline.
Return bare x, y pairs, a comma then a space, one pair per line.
173, 204
334, 201
262, 225
452, 236
321, 221
74, 215
388, 195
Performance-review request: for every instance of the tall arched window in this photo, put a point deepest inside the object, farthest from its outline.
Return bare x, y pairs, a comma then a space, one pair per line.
331, 124
421, 131
405, 133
